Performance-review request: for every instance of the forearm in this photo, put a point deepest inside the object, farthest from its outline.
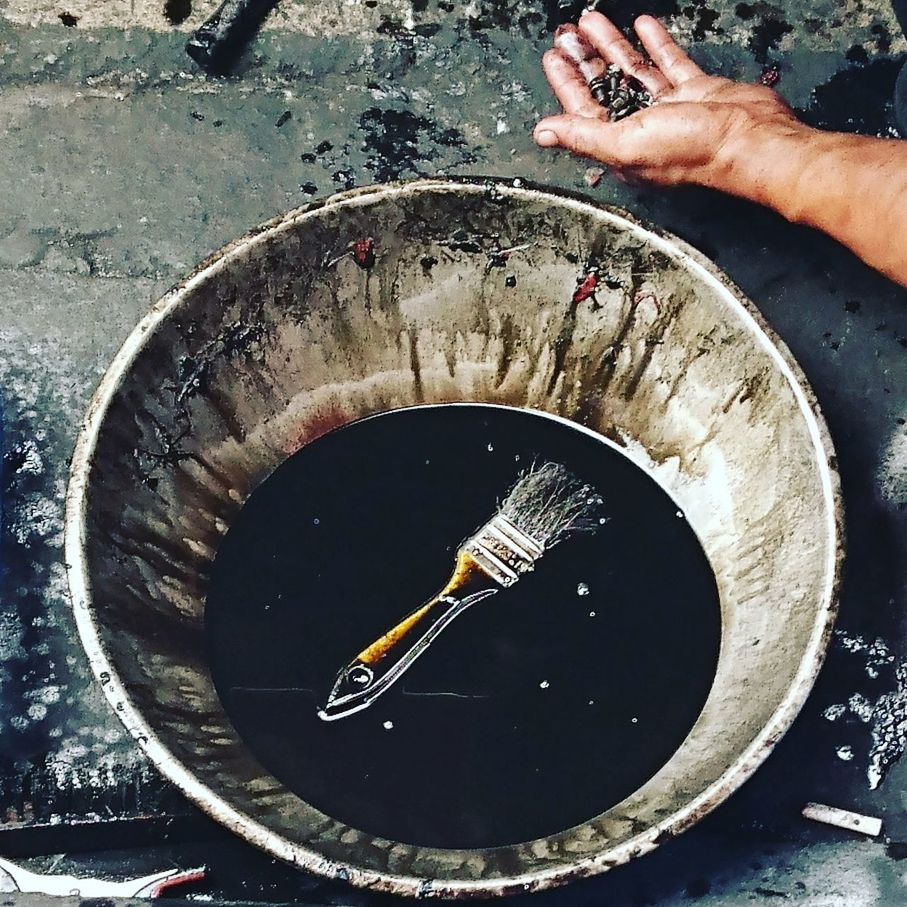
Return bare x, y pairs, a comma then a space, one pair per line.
850, 187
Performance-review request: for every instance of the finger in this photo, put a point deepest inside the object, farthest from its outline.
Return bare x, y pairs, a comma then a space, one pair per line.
608, 40
575, 47
665, 52
586, 136
569, 86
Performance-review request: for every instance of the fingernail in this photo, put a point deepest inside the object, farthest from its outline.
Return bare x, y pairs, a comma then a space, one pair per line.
546, 138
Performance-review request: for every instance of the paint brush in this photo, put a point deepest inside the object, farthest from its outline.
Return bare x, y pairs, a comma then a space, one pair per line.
545, 506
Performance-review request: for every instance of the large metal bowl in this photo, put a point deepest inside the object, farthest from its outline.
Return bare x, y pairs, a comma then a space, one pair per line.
290, 332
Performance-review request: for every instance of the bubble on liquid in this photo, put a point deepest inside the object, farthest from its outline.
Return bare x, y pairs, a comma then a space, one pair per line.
516, 459
634, 720
582, 589
428, 462
316, 521
602, 521
544, 685
591, 702
834, 712
490, 448
388, 725
845, 753
679, 514
591, 614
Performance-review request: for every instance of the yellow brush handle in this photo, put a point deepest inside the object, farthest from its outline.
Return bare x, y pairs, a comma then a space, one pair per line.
467, 576
381, 664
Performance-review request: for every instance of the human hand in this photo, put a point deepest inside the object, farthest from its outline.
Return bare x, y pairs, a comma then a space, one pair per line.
696, 130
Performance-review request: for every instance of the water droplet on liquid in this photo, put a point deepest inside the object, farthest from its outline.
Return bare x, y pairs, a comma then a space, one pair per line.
388, 725
490, 448
544, 685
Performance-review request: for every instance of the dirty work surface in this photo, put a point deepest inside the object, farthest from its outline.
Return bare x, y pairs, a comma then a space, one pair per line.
122, 166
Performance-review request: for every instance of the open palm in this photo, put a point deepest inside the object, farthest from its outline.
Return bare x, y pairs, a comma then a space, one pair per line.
684, 137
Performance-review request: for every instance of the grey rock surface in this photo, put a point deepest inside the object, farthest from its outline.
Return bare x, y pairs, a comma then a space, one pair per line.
122, 166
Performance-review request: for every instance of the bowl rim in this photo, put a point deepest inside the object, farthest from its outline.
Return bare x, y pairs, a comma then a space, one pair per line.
304, 857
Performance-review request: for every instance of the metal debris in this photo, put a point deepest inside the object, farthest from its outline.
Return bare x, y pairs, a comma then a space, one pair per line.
619, 93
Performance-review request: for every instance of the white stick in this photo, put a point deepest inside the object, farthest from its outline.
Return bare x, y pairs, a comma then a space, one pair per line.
842, 818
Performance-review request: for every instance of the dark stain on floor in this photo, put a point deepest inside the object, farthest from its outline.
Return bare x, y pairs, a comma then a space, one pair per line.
703, 18
513, 15
856, 99
177, 11
624, 14
560, 11
769, 27
395, 141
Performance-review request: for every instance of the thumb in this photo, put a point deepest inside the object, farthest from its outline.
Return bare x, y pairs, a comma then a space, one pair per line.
587, 136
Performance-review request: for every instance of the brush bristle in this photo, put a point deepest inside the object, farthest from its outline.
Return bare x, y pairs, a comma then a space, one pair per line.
549, 503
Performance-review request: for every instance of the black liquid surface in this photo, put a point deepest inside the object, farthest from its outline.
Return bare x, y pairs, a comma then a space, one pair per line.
535, 710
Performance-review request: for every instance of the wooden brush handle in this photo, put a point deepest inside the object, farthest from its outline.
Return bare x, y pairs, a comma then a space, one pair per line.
468, 584
382, 663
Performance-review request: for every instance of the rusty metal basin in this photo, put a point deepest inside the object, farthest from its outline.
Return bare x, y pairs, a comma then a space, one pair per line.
288, 333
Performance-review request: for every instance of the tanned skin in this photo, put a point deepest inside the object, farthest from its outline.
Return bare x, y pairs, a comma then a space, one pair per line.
737, 138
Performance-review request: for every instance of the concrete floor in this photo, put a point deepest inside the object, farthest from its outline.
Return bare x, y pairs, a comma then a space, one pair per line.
122, 166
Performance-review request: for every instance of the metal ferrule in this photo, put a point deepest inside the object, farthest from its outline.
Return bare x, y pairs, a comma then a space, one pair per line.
504, 551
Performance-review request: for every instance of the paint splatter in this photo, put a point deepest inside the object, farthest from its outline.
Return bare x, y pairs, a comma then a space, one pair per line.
886, 718
889, 729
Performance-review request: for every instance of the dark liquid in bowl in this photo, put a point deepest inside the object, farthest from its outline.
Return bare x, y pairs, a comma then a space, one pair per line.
534, 711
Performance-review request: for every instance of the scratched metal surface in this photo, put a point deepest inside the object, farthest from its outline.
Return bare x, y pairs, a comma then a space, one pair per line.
121, 168
280, 340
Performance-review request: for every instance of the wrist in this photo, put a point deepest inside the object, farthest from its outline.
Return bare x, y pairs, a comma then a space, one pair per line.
769, 164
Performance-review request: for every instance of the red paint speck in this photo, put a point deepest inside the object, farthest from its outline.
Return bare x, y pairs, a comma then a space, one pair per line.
185, 878
364, 252
770, 77
586, 288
